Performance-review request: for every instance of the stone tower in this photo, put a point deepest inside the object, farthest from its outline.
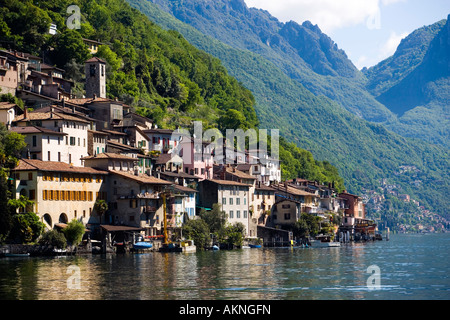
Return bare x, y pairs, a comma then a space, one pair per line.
95, 71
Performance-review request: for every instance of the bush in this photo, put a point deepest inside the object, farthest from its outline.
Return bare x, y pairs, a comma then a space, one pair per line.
54, 238
26, 227
74, 232
198, 231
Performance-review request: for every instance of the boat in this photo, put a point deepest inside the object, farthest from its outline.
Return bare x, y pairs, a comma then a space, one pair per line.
215, 248
324, 241
188, 246
142, 245
255, 246
17, 255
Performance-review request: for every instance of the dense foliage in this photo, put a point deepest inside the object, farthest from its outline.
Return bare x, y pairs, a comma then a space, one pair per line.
363, 152
11, 145
156, 71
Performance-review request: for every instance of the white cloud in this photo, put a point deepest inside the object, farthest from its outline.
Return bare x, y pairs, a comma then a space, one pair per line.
327, 14
390, 46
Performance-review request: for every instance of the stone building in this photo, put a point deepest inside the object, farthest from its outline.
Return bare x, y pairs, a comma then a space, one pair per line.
95, 71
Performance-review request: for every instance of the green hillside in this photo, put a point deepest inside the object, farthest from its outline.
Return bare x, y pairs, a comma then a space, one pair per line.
155, 71
363, 152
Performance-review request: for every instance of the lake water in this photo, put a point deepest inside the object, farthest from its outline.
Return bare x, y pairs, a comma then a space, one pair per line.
409, 267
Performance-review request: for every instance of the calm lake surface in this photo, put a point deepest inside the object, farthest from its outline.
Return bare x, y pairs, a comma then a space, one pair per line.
410, 267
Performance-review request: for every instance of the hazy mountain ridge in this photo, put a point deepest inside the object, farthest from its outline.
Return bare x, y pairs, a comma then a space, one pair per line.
415, 84
302, 51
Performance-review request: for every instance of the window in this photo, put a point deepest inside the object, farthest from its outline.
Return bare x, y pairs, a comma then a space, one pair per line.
245, 214
44, 194
30, 176
287, 216
245, 201
72, 141
34, 141
48, 139
238, 201
231, 200
224, 200
286, 206
59, 156
238, 214
48, 155
231, 214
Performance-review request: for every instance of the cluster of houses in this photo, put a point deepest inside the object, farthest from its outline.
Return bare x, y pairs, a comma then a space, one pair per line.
83, 150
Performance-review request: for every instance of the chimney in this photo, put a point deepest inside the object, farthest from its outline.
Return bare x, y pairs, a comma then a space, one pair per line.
25, 113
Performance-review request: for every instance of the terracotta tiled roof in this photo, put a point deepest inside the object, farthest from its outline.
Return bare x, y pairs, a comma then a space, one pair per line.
116, 156
7, 105
228, 183
83, 101
32, 164
292, 190
239, 174
32, 116
183, 188
35, 129
142, 178
95, 59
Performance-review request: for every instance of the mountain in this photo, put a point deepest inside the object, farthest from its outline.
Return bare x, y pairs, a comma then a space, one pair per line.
364, 152
302, 52
415, 84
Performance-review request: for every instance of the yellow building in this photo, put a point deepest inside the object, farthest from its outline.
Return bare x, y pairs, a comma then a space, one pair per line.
60, 191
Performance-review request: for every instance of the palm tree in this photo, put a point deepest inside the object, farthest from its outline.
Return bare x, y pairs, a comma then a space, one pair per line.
101, 206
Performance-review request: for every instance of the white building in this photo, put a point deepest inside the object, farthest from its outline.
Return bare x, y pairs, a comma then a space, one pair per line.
69, 150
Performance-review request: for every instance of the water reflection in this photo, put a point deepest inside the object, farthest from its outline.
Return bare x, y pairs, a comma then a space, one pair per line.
410, 268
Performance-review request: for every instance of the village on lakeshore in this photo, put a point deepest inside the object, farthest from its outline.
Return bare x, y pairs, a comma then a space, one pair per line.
150, 181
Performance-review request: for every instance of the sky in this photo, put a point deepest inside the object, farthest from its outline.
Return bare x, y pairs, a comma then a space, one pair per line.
369, 31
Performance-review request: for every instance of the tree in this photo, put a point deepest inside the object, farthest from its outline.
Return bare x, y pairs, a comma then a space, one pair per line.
53, 238
26, 227
101, 206
68, 45
235, 234
198, 231
215, 219
74, 232
307, 225
232, 119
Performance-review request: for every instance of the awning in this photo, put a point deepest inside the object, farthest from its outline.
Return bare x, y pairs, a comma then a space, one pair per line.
110, 228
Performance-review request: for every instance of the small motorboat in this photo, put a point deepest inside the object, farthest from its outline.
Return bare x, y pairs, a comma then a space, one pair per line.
17, 255
215, 248
324, 241
255, 246
142, 245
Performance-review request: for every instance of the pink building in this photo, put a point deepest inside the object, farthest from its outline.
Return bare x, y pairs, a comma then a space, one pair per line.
197, 158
